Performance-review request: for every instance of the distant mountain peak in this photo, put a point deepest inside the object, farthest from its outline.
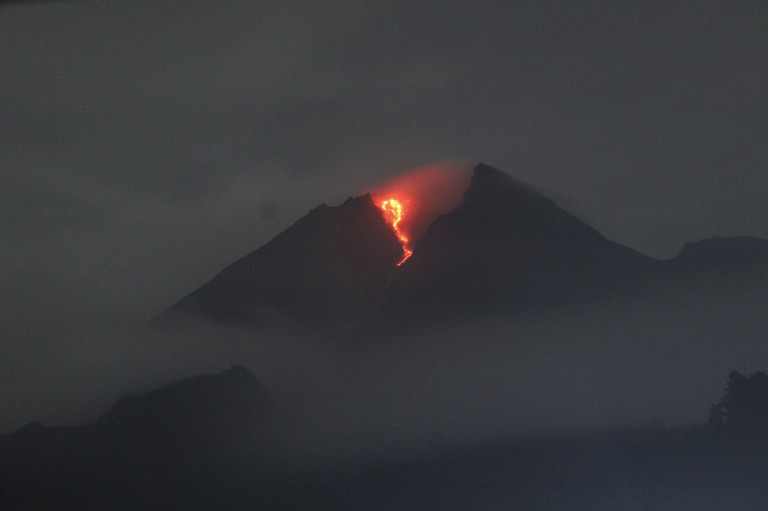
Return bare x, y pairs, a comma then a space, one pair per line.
196, 396
485, 175
725, 251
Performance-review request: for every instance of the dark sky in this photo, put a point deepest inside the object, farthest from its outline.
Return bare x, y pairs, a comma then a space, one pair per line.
145, 145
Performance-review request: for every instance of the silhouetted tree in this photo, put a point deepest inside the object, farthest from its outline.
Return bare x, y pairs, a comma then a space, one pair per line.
744, 408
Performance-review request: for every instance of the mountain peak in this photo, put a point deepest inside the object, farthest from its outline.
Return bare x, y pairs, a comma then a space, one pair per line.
490, 187
507, 246
486, 173
361, 202
237, 373
361, 205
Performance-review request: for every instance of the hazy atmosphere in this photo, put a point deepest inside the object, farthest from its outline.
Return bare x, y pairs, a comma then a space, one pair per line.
147, 145
383, 255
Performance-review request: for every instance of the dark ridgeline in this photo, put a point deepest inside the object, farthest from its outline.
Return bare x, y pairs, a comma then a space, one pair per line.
209, 443
504, 248
180, 447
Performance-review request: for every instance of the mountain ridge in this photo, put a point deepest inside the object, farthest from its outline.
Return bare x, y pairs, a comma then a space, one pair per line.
167, 448
504, 247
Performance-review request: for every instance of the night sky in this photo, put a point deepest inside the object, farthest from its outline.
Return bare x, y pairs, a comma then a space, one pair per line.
145, 145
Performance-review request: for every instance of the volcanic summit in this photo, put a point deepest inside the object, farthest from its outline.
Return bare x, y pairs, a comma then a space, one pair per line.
504, 248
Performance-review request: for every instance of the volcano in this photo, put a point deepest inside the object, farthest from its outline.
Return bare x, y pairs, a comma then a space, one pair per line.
504, 248
584, 332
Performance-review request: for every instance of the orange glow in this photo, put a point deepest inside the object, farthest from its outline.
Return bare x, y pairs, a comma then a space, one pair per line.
425, 193
394, 211
413, 199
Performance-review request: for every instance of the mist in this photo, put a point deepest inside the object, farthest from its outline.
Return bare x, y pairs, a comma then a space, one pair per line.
148, 145
581, 368
588, 368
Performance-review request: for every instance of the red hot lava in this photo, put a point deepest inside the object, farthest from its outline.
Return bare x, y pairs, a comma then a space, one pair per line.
412, 200
394, 212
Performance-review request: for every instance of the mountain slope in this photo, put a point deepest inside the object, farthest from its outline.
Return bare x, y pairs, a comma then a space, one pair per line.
506, 246
325, 270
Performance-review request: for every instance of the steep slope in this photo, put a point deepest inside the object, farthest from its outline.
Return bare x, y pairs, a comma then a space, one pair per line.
506, 246
324, 271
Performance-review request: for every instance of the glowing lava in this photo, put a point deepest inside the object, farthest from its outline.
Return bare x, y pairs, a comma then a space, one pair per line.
394, 212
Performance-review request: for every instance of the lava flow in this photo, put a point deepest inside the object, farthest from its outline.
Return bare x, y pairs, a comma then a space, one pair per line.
394, 212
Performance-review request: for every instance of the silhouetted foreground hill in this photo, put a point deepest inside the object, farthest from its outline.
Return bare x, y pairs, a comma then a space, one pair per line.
179, 447
504, 249
208, 443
